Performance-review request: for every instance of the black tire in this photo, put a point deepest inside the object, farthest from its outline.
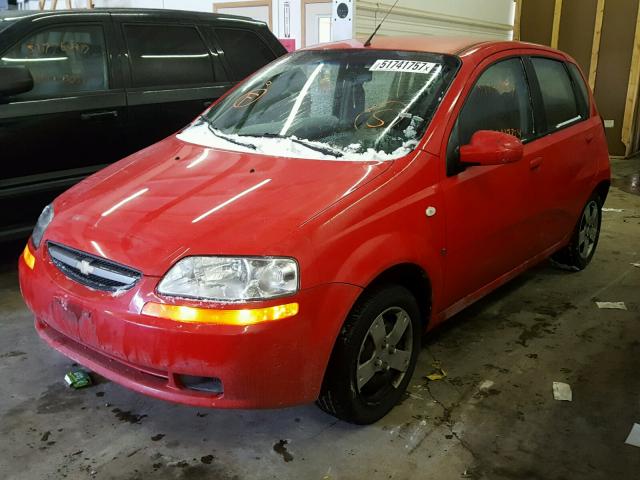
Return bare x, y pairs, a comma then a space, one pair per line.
341, 396
577, 255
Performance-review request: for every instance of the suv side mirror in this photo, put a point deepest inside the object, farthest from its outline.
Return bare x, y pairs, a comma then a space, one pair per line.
489, 147
15, 80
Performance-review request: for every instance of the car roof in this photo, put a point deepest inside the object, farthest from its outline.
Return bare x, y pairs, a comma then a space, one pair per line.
448, 45
17, 14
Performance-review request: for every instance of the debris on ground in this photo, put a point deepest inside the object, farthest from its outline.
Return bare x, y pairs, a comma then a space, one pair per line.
617, 210
636, 265
281, 449
485, 385
437, 374
612, 305
562, 391
634, 436
78, 379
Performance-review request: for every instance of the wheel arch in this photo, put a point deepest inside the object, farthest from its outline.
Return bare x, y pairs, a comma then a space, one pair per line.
602, 189
414, 278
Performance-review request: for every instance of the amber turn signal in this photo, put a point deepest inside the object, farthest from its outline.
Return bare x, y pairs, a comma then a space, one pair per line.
246, 316
28, 257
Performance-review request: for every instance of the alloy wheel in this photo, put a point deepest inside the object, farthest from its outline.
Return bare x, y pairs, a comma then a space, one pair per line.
588, 229
385, 353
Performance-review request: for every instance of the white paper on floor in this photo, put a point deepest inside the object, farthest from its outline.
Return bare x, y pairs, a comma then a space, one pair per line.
485, 385
612, 305
562, 391
613, 210
634, 436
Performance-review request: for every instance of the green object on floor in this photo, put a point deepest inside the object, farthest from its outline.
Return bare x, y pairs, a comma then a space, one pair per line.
78, 379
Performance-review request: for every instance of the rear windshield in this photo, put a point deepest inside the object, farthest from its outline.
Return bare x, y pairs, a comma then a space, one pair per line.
346, 104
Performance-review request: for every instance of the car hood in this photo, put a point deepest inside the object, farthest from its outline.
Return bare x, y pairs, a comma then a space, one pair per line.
175, 199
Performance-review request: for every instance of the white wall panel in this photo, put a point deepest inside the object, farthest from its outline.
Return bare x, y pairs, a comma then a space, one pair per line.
481, 18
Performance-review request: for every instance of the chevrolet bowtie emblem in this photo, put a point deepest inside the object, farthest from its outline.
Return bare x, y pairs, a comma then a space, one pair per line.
85, 267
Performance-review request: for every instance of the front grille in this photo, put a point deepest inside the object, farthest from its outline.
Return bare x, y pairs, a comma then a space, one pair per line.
94, 272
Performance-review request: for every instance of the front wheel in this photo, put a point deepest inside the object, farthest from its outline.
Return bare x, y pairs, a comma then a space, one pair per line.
374, 356
582, 246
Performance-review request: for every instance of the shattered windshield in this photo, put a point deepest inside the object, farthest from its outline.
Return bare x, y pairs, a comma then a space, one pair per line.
341, 104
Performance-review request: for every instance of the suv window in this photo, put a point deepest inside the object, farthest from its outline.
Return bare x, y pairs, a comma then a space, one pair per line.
245, 51
583, 92
63, 60
167, 55
498, 101
558, 97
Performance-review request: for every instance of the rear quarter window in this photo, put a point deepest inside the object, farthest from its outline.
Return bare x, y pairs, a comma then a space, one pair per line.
245, 51
561, 106
581, 90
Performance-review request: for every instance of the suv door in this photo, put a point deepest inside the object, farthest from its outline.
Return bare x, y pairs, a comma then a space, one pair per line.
563, 180
488, 224
68, 126
173, 75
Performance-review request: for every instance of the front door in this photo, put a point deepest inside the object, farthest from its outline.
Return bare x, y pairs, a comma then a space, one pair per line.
67, 126
488, 224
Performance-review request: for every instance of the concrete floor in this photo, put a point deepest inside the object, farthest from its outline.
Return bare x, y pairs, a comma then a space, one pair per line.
542, 327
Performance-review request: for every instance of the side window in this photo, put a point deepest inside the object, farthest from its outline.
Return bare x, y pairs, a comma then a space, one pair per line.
498, 101
167, 55
560, 104
63, 60
245, 51
583, 92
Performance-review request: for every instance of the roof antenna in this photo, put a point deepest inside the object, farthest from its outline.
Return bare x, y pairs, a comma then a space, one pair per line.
368, 42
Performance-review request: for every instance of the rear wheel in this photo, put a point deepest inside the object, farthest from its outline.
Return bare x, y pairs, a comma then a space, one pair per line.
580, 250
374, 356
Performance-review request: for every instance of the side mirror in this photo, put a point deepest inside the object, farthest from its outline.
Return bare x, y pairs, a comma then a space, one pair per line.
488, 147
15, 80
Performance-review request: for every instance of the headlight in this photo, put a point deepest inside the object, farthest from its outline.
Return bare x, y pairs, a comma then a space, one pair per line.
231, 279
43, 222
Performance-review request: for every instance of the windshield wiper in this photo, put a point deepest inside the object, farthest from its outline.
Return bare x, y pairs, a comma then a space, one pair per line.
318, 148
229, 139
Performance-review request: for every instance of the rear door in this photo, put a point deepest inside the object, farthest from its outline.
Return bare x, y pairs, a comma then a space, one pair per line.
69, 125
172, 75
488, 208
565, 173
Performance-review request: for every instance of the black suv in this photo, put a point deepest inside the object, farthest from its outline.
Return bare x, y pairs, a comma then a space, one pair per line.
80, 89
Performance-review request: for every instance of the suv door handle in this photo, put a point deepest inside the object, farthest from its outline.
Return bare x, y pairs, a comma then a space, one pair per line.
92, 115
535, 163
589, 137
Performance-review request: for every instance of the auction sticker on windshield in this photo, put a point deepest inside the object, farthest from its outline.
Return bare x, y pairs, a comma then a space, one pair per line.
409, 66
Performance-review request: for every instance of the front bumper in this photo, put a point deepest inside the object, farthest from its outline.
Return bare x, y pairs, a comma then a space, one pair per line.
274, 364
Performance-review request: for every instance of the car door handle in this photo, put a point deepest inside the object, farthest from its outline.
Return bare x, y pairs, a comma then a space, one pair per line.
589, 137
92, 115
535, 163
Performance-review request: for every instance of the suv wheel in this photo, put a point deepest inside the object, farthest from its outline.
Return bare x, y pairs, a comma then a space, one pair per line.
374, 356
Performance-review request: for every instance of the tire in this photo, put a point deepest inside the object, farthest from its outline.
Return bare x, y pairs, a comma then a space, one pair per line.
582, 246
363, 350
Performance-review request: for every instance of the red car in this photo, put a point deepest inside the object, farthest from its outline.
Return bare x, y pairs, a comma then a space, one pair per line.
296, 240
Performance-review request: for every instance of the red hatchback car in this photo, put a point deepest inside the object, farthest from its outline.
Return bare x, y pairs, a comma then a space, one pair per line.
296, 240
